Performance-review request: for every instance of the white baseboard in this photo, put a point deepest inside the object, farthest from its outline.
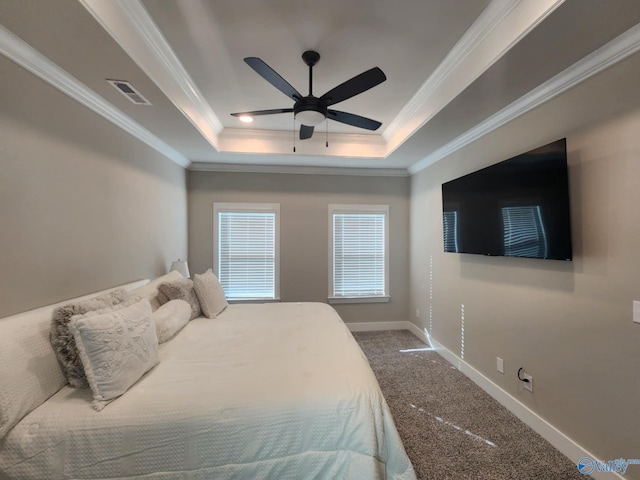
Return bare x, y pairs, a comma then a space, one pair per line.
555, 437
547, 431
422, 335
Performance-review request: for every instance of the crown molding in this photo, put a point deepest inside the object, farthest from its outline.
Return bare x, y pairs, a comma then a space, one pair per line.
131, 26
297, 170
488, 20
280, 142
500, 26
606, 56
30, 59
277, 135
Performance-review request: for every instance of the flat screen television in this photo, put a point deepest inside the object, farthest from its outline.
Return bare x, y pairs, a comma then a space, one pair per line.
515, 208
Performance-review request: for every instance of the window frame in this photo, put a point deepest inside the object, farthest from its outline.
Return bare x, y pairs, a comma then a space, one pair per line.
240, 207
358, 209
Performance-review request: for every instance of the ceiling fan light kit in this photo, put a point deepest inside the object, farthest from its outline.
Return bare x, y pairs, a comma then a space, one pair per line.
309, 110
310, 117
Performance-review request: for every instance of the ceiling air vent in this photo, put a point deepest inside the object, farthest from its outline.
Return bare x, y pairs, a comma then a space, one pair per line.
129, 91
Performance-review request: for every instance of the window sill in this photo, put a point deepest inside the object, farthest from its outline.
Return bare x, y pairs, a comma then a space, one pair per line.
336, 300
253, 300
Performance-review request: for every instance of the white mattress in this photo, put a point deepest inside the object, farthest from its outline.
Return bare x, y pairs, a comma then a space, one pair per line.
272, 391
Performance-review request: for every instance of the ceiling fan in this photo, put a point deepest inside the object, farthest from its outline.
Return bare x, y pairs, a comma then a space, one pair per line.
311, 110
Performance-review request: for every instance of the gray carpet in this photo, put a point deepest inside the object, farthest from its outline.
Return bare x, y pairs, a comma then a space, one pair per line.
452, 429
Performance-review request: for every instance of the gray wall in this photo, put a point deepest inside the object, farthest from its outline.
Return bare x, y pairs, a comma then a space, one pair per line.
568, 323
304, 235
83, 205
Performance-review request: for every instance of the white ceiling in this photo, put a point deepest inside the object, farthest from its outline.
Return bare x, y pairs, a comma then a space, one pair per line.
455, 69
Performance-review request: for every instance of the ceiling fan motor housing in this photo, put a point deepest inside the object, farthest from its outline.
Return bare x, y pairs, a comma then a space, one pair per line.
310, 111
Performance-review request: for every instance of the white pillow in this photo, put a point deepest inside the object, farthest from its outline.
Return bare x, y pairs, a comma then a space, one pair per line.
116, 349
150, 290
210, 294
170, 318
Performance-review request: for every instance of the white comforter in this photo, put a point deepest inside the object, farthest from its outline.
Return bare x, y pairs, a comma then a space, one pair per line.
273, 391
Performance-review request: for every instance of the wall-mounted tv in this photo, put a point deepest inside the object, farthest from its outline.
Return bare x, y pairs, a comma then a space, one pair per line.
515, 208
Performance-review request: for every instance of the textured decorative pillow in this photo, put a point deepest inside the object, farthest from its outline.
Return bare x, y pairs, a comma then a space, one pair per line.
63, 341
116, 349
210, 294
181, 289
150, 290
170, 318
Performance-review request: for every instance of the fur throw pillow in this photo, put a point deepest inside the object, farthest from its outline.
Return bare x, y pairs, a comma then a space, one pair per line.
62, 340
181, 289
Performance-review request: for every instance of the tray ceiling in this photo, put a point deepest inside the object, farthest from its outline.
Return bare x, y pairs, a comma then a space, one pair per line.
452, 69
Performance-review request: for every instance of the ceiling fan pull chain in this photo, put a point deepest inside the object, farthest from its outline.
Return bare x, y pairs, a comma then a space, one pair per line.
294, 134
326, 123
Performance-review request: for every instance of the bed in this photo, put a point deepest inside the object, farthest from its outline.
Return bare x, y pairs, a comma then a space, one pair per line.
263, 391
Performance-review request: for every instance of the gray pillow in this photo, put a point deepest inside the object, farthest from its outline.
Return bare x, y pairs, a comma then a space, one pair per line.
181, 289
62, 341
210, 293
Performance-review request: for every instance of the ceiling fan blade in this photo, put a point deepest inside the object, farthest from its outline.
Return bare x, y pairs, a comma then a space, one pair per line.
356, 85
271, 76
305, 132
355, 120
263, 112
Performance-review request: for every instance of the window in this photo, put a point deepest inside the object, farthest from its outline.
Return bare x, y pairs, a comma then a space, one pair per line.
358, 252
246, 250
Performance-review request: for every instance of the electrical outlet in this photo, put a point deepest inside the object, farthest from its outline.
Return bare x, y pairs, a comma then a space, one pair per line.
417, 313
500, 364
528, 385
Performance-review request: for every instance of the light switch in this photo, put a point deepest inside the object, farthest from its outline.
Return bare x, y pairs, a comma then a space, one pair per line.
500, 364
636, 311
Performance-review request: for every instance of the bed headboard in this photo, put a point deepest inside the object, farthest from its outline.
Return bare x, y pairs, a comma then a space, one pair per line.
29, 369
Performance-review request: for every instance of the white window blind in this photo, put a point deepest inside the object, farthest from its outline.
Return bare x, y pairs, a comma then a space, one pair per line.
247, 252
359, 252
